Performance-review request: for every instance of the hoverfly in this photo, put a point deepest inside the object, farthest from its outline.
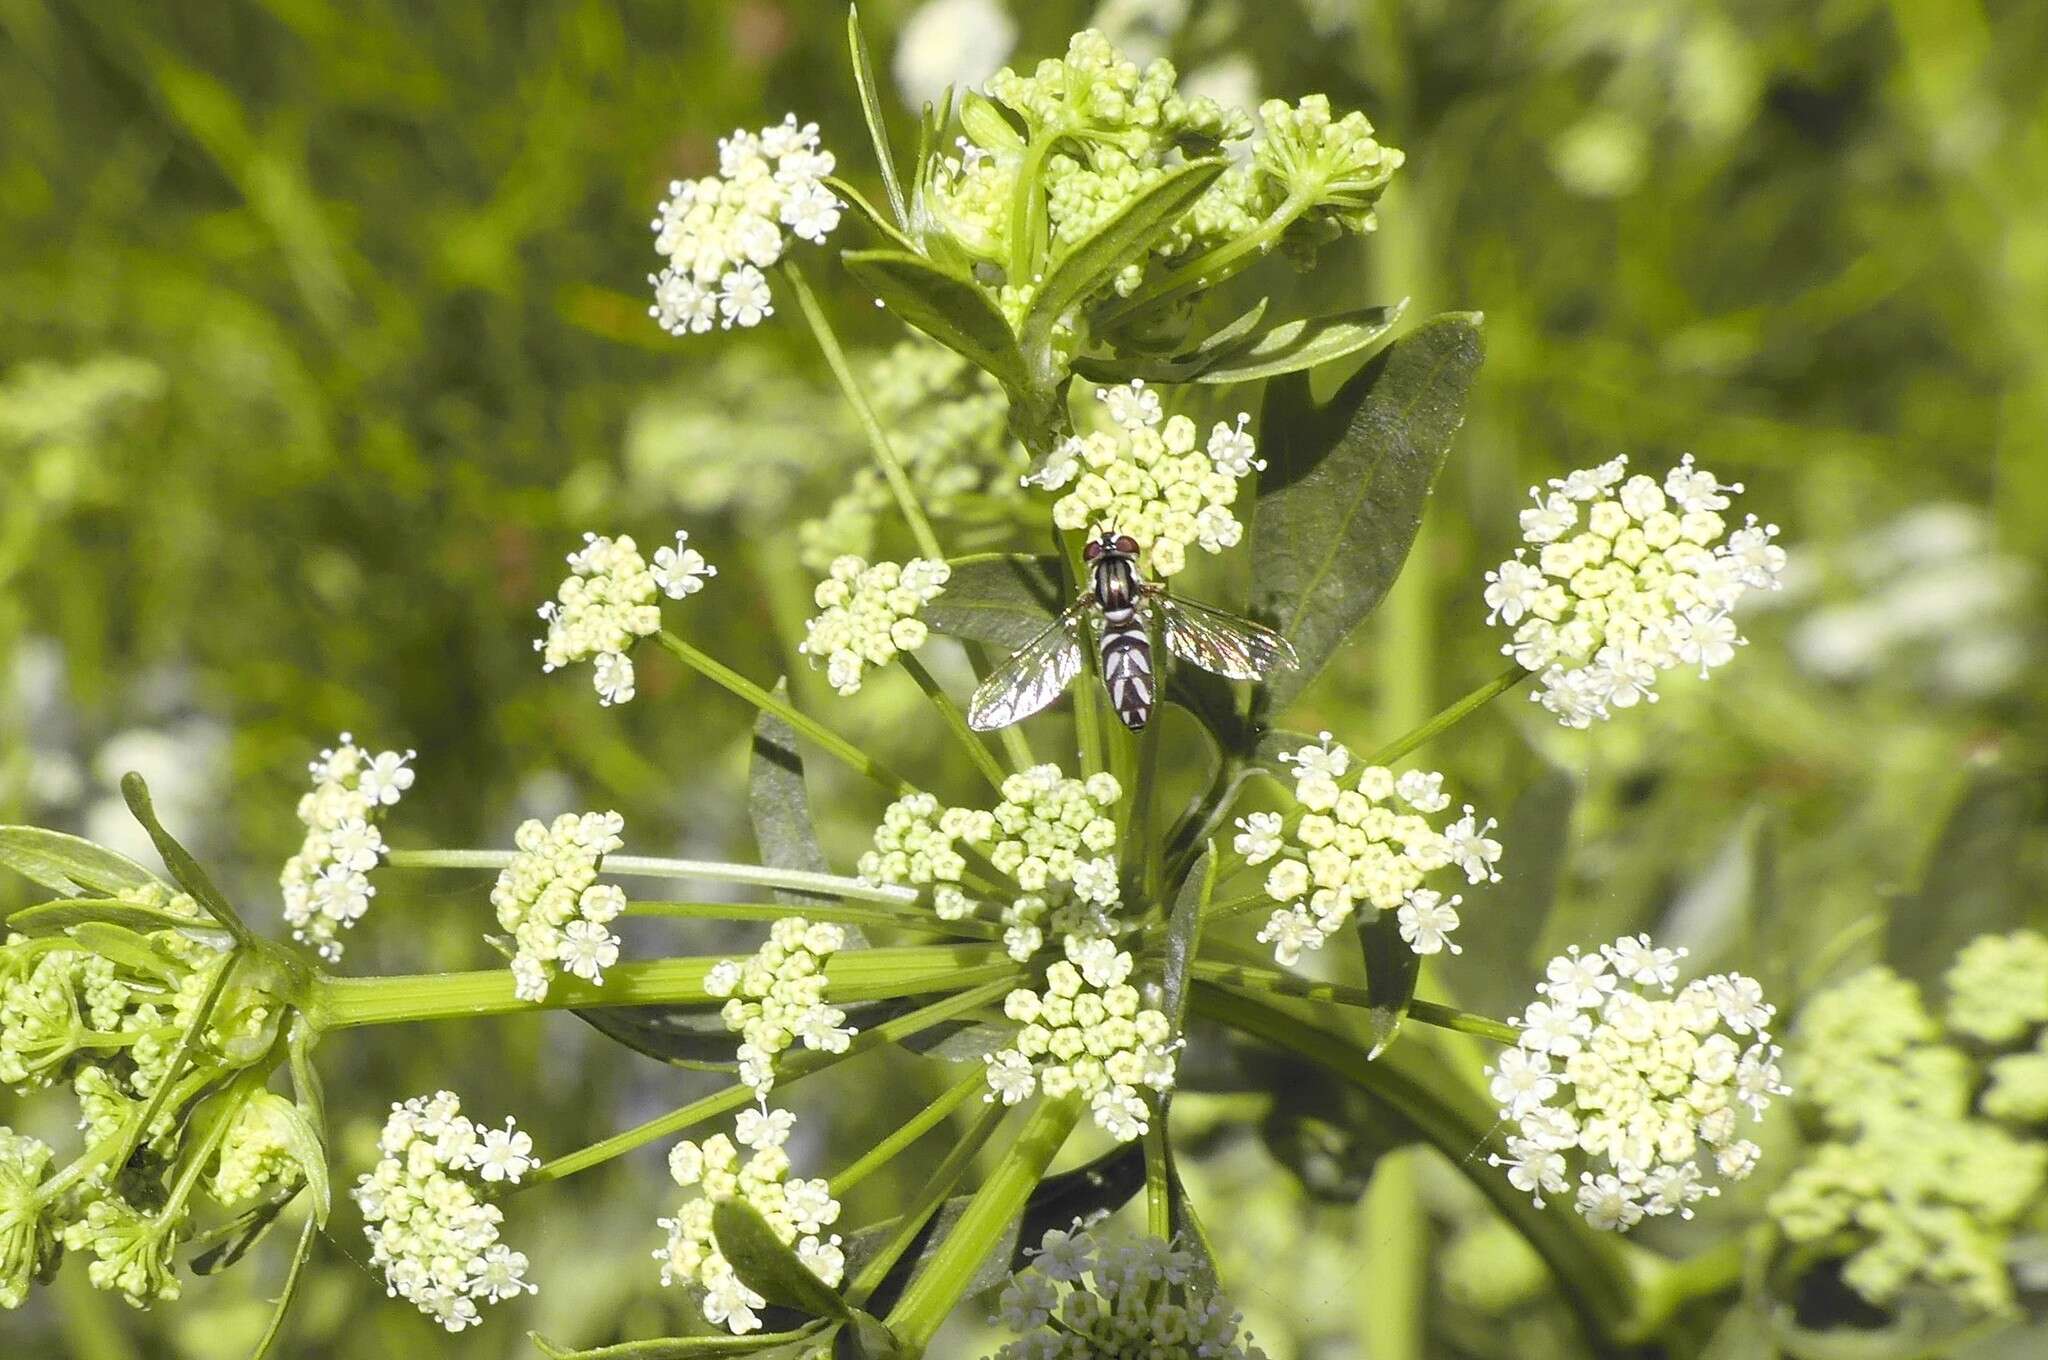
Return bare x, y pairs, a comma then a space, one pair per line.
1041, 670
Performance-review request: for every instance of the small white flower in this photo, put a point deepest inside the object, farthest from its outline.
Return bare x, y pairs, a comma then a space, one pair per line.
1258, 838
681, 571
503, 1154
612, 674
1427, 920
587, 949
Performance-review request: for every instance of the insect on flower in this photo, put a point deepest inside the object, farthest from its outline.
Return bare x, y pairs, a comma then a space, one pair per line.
1041, 670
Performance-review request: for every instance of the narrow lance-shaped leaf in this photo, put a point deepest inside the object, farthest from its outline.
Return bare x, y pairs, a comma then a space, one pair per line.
1340, 505
51, 918
768, 1265
184, 869
1003, 599
1091, 262
871, 110
1505, 927
70, 865
779, 803
1392, 969
944, 305
1294, 346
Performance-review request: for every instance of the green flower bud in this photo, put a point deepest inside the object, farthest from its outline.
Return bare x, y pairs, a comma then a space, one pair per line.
1998, 986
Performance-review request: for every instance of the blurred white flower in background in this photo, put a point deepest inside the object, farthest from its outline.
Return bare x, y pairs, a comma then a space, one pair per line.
951, 42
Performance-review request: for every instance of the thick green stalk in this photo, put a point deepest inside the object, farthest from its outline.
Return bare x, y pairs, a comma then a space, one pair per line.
926, 1202
852, 975
649, 866
1158, 1180
919, 1124
813, 911
1276, 983
1589, 1269
878, 438
931, 1296
955, 721
795, 1069
838, 747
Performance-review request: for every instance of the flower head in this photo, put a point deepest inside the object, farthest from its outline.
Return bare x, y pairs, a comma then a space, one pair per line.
326, 886
1334, 164
870, 614
430, 1233
1363, 837
1087, 1031
609, 601
1629, 578
798, 1212
551, 901
1640, 1082
1149, 477
27, 1239
1090, 1296
777, 997
721, 231
1054, 837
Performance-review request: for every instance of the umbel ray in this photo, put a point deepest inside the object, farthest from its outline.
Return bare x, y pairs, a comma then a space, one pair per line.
1125, 606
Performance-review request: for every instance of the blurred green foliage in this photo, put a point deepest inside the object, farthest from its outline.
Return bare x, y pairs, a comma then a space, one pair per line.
322, 335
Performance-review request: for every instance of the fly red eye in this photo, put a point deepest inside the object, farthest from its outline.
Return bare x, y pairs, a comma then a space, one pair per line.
1126, 544
1092, 551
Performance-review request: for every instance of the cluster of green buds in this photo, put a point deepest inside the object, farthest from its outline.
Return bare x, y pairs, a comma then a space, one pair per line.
165, 1029
1930, 1158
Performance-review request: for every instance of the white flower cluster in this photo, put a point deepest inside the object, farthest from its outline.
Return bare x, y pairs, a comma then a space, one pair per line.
1152, 480
777, 996
1055, 837
435, 1240
1630, 579
609, 601
799, 1211
1641, 1078
551, 901
1087, 1032
1354, 843
721, 231
1135, 1299
870, 614
326, 886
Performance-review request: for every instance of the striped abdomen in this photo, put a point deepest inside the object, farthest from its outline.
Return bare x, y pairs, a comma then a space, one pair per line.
1126, 648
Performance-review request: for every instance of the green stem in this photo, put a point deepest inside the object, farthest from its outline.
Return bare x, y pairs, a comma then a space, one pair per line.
860, 204
931, 1296
1450, 716
648, 866
834, 745
929, 1197
812, 911
1589, 1269
1276, 983
851, 975
181, 1057
797, 1068
983, 759
878, 439
1158, 1181
921, 1123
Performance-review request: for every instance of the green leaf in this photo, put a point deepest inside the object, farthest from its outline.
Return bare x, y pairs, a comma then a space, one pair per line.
185, 870
1504, 926
1339, 506
779, 804
1226, 339
1089, 264
1184, 935
69, 864
944, 305
51, 918
1392, 969
871, 110
1004, 599
1293, 346
233, 1239
126, 947
1974, 879
801, 1344
768, 1265
866, 1337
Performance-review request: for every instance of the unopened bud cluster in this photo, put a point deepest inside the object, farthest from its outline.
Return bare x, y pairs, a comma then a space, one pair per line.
777, 997
1088, 1295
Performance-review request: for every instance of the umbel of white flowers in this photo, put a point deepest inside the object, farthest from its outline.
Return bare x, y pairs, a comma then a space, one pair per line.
1641, 1079
1630, 578
721, 231
609, 601
777, 997
326, 886
1363, 838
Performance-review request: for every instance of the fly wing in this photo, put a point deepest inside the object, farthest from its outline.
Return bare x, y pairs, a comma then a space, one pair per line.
1234, 648
1039, 672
